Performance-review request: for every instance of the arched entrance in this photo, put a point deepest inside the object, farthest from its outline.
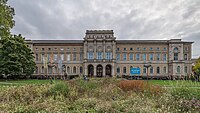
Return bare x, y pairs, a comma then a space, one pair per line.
90, 70
99, 70
108, 70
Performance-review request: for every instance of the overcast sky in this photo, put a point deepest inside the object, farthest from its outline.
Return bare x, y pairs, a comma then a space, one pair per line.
130, 19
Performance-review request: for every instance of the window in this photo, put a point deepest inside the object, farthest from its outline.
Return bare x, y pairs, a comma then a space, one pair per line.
81, 69
144, 70
36, 57
74, 49
42, 69
68, 57
151, 70
61, 49
48, 57
74, 70
164, 48
118, 56
178, 69
74, 57
68, 69
157, 48
49, 49
117, 49
150, 48
131, 49
144, 48
50, 70
55, 48
144, 57
185, 57
176, 49
99, 55
42, 49
158, 56
124, 49
124, 70
164, 69
158, 70
42, 57
164, 57
90, 55
36, 49
118, 70
55, 57
81, 49
150, 56
131, 56
185, 69
137, 56
68, 49
185, 48
108, 55
62, 57
138, 48
36, 70
175, 56
124, 56
81, 56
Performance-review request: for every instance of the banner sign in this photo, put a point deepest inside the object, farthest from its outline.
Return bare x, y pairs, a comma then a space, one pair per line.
135, 71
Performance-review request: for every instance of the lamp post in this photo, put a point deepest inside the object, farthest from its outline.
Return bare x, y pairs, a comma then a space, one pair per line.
147, 66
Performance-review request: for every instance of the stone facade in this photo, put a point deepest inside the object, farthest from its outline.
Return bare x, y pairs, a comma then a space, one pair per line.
100, 54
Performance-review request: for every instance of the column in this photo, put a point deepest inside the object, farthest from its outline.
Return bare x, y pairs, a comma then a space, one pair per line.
113, 70
95, 49
104, 50
95, 71
85, 69
113, 51
104, 70
85, 50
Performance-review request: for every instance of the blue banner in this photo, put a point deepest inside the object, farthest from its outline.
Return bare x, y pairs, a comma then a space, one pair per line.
135, 71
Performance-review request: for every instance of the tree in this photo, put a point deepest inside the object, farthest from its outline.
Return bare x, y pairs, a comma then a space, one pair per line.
196, 69
15, 57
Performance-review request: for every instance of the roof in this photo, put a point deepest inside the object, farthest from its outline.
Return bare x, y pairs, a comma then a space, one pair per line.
149, 41
57, 41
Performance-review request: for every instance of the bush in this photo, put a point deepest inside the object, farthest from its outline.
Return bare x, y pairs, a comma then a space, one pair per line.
60, 88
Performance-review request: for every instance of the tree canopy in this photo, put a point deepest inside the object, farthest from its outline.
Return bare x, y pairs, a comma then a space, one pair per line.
16, 58
196, 68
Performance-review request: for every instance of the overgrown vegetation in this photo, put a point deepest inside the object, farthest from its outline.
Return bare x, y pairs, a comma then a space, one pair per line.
99, 95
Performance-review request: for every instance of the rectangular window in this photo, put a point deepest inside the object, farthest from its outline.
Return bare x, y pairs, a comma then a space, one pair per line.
150, 56
36, 57
74, 57
131, 49
150, 48
48, 57
144, 57
42, 57
118, 56
99, 55
55, 57
158, 57
131, 56
90, 55
124, 49
175, 56
151, 70
68, 57
185, 57
137, 56
108, 55
165, 48
81, 56
164, 57
62, 57
144, 70
124, 57
144, 48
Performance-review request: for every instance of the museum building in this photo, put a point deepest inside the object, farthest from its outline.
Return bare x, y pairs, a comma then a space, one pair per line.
100, 54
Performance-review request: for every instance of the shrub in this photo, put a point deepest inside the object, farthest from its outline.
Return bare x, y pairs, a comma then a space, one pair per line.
60, 88
135, 85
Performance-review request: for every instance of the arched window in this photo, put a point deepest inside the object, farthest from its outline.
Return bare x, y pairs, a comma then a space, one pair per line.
42, 69
144, 69
158, 70
185, 69
81, 70
124, 70
74, 70
164, 69
118, 70
176, 49
178, 69
151, 70
68, 69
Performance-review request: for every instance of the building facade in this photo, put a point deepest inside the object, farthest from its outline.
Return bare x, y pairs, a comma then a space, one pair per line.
101, 54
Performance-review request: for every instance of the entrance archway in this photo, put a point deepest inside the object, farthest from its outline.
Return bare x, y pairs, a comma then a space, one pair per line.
108, 70
90, 70
99, 70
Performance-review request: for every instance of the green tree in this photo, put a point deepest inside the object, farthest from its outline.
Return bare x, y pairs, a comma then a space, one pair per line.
196, 68
15, 57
